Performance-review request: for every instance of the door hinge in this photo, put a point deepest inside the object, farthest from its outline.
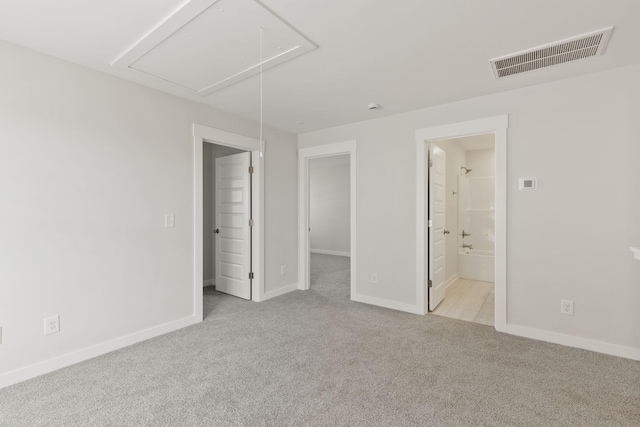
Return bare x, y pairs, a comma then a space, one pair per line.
430, 223
251, 222
430, 283
251, 276
250, 169
430, 163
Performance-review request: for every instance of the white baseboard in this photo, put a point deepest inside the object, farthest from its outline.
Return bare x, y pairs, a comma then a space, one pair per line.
381, 302
571, 341
280, 291
208, 282
326, 252
50, 365
451, 279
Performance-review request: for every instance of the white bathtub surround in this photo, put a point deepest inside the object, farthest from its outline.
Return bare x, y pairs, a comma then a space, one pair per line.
477, 217
636, 252
477, 211
477, 265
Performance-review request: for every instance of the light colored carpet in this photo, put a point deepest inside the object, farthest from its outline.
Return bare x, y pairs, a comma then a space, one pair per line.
315, 358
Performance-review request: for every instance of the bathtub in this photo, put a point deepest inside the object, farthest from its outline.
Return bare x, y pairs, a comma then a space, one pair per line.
476, 265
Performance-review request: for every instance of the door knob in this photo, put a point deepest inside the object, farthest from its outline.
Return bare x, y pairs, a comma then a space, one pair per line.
216, 231
446, 232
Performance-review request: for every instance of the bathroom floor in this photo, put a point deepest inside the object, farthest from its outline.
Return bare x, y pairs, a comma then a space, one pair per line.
469, 300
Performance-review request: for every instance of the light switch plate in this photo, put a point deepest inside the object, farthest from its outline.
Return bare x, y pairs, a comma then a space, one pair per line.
169, 220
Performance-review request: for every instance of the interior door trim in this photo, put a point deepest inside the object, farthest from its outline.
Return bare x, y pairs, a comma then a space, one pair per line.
304, 155
212, 135
497, 125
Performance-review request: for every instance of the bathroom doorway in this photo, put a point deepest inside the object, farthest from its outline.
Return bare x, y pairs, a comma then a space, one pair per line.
468, 258
496, 126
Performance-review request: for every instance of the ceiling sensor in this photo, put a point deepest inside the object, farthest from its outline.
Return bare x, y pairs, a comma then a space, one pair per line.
373, 106
571, 49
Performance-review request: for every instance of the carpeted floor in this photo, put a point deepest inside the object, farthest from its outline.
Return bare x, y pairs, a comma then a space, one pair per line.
315, 358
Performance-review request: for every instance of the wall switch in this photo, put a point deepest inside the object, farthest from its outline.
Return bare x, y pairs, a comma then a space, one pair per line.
169, 220
566, 307
283, 270
374, 277
52, 325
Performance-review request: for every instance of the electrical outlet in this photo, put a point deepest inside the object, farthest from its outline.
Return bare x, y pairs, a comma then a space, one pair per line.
283, 270
566, 307
52, 325
169, 220
374, 277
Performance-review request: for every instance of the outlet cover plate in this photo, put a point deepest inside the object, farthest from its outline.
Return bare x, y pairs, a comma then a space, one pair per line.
566, 307
52, 325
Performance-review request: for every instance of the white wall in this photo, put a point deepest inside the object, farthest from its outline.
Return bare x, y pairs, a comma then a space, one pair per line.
568, 240
329, 213
455, 159
483, 162
89, 166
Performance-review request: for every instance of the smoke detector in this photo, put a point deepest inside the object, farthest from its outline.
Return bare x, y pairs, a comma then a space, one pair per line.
571, 49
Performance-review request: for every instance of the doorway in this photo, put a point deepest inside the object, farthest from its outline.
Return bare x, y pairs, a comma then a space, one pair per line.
464, 274
496, 126
329, 225
226, 219
327, 241
255, 151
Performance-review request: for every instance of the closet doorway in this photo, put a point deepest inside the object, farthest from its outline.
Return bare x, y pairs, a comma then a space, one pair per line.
254, 150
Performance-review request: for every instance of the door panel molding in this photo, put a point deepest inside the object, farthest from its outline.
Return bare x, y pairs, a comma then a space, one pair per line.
233, 214
437, 212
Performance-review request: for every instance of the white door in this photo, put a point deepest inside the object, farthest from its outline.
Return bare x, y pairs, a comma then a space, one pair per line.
233, 233
437, 204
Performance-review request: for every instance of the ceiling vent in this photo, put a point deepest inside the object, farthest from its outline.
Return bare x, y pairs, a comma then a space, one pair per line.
571, 49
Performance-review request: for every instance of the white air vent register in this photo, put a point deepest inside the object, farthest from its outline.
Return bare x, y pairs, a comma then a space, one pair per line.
571, 49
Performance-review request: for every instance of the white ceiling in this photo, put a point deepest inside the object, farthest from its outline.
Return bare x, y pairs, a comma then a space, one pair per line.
404, 55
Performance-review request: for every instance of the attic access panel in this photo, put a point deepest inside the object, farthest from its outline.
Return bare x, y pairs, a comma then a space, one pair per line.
209, 45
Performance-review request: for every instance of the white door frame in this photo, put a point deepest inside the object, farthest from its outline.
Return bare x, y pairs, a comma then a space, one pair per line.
498, 126
211, 135
304, 156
